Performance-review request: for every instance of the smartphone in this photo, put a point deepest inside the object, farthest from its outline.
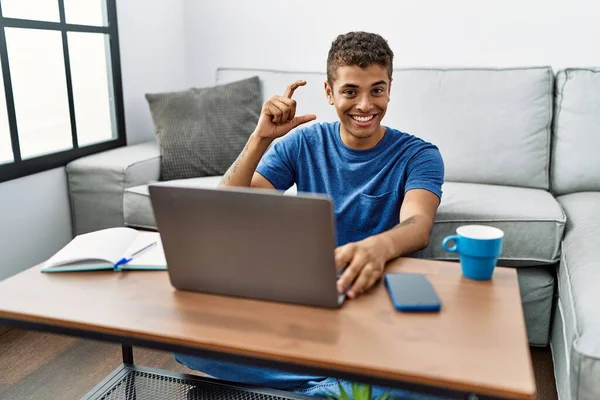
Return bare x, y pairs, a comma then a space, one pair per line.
412, 292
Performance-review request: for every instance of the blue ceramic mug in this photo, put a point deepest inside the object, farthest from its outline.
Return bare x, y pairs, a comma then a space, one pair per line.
479, 247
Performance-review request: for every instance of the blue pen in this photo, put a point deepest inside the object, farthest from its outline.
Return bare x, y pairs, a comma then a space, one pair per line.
125, 260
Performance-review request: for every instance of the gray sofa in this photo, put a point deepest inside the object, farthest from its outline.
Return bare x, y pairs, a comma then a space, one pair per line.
521, 148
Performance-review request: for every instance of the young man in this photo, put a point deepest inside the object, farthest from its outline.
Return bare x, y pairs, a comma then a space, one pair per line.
385, 184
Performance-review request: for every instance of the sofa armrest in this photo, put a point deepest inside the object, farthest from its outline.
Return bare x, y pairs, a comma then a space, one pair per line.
97, 184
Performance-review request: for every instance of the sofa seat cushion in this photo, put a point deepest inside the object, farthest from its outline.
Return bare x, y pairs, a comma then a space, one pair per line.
531, 219
137, 208
536, 285
579, 292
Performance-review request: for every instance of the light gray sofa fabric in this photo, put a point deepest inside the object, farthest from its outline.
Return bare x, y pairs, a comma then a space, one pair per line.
531, 219
560, 352
576, 145
97, 184
491, 125
537, 293
579, 295
137, 207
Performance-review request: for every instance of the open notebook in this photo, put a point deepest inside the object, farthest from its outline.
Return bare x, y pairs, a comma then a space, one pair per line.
112, 248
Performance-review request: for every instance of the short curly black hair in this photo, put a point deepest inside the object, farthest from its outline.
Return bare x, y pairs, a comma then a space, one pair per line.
359, 48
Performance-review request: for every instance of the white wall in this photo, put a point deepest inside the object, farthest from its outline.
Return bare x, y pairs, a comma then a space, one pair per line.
35, 220
152, 43
296, 34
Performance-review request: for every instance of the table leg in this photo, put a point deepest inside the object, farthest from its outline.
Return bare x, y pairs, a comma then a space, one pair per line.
128, 360
127, 354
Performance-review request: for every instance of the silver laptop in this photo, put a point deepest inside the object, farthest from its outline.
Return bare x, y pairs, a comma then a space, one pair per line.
250, 243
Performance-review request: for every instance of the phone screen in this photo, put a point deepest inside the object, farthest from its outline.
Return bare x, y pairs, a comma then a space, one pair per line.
412, 292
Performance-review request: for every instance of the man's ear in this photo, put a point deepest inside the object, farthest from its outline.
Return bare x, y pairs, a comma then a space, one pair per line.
328, 92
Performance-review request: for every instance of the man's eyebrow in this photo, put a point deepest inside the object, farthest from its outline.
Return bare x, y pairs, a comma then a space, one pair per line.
353, 86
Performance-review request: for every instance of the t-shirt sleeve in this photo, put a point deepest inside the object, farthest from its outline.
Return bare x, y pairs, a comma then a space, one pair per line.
278, 164
426, 171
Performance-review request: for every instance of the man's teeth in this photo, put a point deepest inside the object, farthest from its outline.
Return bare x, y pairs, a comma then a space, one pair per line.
362, 119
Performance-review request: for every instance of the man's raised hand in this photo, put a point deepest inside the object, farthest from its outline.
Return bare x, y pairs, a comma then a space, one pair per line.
278, 114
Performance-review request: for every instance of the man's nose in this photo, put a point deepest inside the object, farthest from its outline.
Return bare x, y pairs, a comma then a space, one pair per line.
364, 104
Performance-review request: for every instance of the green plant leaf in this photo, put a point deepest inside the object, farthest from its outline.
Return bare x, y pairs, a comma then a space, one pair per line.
343, 394
361, 391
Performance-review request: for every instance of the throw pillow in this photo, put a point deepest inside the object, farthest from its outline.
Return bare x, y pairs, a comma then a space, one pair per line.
201, 131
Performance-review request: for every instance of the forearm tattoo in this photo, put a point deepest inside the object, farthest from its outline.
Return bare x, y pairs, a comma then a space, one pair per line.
227, 177
407, 221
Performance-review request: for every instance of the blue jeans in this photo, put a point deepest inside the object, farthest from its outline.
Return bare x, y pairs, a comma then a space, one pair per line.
308, 385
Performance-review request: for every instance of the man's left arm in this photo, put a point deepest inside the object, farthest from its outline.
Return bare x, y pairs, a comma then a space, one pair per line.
367, 258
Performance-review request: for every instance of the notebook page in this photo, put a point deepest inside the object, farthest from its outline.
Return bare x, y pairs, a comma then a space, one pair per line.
107, 245
154, 256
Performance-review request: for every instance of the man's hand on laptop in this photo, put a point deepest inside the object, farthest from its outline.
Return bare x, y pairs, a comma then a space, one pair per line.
366, 261
278, 114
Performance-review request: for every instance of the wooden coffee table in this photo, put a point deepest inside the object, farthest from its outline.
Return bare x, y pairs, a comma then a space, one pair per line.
477, 344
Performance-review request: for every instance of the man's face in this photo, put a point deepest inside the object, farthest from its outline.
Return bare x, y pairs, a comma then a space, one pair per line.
360, 96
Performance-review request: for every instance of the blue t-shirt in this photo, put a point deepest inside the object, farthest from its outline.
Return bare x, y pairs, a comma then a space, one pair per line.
367, 186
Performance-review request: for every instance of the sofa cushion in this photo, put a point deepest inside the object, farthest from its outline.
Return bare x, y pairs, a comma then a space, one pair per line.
201, 131
491, 125
531, 219
579, 294
536, 285
97, 184
576, 144
137, 207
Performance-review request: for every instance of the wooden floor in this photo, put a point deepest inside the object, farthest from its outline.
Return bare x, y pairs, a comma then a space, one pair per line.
41, 366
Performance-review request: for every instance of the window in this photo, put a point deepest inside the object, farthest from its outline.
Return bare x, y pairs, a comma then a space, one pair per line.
60, 89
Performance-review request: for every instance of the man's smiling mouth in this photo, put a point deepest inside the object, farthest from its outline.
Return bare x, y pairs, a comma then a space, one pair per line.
362, 119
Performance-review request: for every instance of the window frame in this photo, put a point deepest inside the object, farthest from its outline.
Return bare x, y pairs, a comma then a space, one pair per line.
18, 167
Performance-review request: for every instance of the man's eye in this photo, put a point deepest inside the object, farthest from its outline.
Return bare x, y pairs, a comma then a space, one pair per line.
349, 92
377, 91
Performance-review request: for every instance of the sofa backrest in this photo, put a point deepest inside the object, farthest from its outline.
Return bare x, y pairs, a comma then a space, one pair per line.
491, 125
576, 140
